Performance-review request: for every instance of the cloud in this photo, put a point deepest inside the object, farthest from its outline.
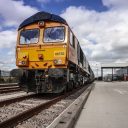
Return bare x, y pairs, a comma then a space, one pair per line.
8, 38
115, 3
103, 34
7, 60
14, 12
7, 49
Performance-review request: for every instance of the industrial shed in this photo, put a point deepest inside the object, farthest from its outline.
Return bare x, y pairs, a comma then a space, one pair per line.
123, 68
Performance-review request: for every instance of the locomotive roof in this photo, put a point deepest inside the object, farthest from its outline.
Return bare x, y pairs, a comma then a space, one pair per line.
41, 16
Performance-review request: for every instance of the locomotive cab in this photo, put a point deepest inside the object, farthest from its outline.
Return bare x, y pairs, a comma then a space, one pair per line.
42, 47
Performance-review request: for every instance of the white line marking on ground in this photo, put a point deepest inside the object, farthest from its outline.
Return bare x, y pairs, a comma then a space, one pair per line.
120, 91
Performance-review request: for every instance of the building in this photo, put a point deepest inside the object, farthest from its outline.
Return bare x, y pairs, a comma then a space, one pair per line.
121, 70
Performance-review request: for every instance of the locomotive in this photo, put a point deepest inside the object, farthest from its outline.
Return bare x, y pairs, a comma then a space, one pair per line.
49, 55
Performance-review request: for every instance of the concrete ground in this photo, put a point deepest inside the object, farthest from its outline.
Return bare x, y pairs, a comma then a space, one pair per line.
106, 107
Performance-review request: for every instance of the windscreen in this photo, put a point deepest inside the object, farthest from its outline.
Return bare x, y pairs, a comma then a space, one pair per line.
54, 34
29, 36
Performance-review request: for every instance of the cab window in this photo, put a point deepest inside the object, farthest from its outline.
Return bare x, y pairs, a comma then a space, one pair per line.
72, 39
54, 34
29, 36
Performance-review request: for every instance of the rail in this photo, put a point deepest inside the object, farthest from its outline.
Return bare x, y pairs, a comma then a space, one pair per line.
8, 84
15, 99
31, 112
9, 89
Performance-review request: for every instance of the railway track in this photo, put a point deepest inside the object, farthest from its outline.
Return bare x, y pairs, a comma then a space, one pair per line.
8, 85
15, 99
9, 89
6, 88
22, 112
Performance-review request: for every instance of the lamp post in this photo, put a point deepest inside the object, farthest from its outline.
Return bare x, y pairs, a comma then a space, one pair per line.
97, 71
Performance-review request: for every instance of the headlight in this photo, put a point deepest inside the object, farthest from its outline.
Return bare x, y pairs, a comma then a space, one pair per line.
57, 61
22, 62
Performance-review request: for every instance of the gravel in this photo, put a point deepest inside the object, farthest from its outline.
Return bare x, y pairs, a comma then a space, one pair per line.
45, 118
13, 109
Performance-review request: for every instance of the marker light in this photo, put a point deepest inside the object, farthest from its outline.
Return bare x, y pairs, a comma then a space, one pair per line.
40, 56
22, 62
41, 24
57, 61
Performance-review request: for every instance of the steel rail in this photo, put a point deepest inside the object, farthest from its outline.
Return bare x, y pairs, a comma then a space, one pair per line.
9, 85
33, 111
15, 99
6, 90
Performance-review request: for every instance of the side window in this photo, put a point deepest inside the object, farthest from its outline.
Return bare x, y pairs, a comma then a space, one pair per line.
72, 39
78, 53
76, 42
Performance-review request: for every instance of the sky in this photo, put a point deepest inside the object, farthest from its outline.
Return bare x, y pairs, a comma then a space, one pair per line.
100, 26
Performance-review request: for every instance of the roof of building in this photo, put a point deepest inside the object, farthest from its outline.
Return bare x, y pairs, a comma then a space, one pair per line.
41, 16
114, 65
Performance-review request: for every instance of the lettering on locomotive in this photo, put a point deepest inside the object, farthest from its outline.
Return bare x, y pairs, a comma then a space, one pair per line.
59, 53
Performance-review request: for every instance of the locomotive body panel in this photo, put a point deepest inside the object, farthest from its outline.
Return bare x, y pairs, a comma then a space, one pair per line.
72, 55
35, 57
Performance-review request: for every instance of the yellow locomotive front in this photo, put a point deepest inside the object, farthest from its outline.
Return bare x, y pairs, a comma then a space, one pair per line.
42, 47
41, 53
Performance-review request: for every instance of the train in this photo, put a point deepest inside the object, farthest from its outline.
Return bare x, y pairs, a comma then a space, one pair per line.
49, 56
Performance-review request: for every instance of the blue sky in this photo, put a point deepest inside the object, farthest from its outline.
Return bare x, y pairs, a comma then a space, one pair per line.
100, 26
57, 6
